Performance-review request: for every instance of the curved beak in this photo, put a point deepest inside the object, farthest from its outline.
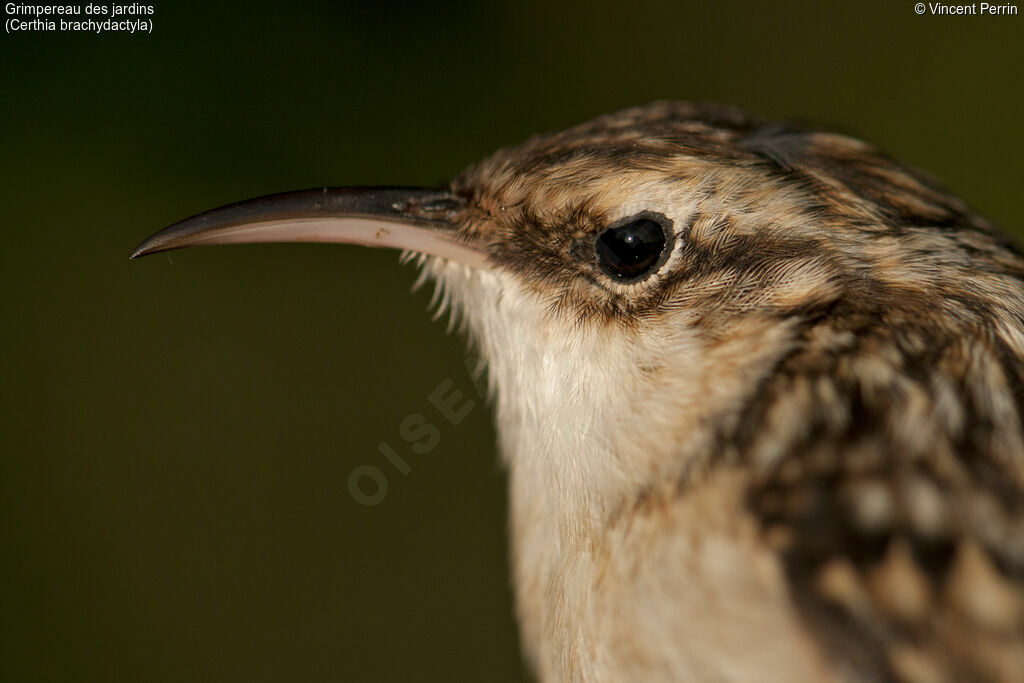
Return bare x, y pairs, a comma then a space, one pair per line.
414, 219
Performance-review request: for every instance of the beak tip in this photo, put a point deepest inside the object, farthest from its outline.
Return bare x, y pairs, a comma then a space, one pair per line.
151, 245
140, 250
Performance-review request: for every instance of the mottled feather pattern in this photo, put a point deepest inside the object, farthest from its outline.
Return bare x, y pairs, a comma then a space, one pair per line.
856, 336
758, 388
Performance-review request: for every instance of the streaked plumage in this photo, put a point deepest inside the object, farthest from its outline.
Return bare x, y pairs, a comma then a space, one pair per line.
792, 453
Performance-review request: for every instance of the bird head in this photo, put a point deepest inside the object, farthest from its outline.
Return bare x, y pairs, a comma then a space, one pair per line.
632, 281
683, 294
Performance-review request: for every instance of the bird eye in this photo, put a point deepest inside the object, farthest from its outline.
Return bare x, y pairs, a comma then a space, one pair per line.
632, 248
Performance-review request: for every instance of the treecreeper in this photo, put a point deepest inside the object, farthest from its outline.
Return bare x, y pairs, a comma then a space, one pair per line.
758, 388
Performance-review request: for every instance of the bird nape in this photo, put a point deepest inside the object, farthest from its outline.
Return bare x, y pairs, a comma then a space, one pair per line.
758, 388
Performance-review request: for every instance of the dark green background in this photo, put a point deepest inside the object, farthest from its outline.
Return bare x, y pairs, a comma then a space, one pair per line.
177, 432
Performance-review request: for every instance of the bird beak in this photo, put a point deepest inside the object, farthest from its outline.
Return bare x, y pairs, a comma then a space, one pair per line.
415, 219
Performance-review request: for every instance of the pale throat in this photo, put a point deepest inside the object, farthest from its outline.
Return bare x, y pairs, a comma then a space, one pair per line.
585, 412
589, 418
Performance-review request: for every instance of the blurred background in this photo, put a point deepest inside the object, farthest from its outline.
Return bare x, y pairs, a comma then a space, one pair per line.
178, 432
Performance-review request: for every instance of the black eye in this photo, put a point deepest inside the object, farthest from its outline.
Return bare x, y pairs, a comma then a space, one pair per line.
632, 248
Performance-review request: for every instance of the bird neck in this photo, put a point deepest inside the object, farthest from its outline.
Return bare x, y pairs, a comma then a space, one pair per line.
590, 416
592, 419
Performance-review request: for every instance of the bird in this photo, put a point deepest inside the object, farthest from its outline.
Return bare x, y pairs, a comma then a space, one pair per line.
757, 385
